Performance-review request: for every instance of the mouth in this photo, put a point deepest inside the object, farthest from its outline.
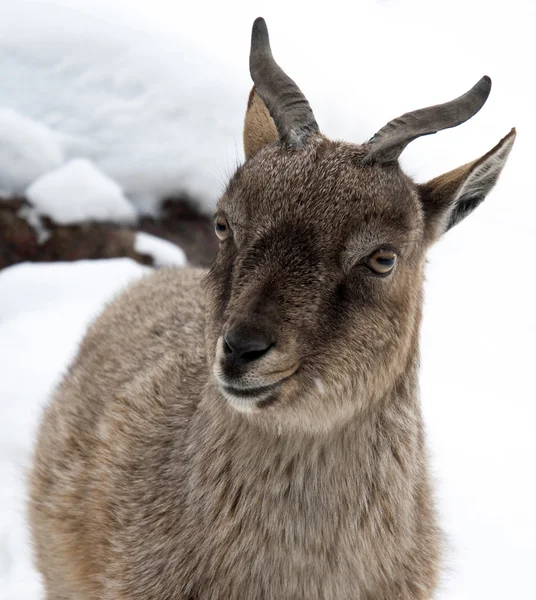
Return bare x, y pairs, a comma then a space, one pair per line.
247, 400
252, 393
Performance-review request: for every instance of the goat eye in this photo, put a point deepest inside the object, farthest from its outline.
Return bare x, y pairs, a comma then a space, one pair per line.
223, 231
382, 261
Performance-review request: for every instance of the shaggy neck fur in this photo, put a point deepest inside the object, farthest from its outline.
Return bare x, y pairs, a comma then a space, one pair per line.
308, 501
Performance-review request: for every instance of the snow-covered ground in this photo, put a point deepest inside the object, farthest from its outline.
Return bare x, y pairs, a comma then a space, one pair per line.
164, 253
153, 112
44, 311
28, 149
78, 192
154, 94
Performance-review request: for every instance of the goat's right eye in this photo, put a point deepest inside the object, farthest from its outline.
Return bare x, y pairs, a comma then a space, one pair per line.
382, 261
223, 231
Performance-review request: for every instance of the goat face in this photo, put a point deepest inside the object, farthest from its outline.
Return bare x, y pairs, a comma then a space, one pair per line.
316, 288
314, 299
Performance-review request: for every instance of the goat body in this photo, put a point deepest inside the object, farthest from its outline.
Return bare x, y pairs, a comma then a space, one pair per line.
255, 431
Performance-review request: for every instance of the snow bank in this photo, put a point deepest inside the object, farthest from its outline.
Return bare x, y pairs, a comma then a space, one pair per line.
157, 114
78, 192
27, 150
164, 253
155, 96
44, 312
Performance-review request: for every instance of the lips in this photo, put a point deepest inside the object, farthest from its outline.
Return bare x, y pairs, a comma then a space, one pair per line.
247, 400
250, 393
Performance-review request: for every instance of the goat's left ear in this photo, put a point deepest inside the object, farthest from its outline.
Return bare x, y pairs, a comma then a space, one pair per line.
449, 198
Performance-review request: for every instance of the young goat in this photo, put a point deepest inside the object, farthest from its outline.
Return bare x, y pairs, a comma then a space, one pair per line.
255, 432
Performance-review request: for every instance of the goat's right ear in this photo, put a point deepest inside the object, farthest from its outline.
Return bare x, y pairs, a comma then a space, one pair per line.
449, 198
259, 127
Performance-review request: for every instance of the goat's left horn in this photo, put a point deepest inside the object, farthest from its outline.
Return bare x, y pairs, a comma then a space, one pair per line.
288, 107
387, 145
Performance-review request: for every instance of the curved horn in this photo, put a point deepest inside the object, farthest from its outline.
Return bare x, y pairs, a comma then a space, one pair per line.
390, 141
288, 107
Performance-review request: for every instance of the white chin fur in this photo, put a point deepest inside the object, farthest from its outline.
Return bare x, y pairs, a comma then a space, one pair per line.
239, 403
242, 405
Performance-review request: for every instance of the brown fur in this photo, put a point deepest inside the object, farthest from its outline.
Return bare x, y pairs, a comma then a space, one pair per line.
150, 483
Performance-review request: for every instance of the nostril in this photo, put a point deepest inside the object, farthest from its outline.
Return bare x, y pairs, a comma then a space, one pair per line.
254, 354
246, 343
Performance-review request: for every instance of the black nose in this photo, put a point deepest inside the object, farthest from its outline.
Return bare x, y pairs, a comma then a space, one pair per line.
247, 343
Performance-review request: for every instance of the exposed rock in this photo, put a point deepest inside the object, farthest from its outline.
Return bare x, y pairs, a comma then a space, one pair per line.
18, 241
180, 223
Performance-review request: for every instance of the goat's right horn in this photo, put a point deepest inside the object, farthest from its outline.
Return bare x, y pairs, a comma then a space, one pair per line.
387, 145
288, 107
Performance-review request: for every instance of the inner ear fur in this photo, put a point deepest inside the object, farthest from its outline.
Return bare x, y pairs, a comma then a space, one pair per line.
259, 127
449, 198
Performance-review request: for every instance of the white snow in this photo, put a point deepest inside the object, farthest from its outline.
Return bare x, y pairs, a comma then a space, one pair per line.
27, 150
155, 113
44, 311
164, 253
155, 96
79, 192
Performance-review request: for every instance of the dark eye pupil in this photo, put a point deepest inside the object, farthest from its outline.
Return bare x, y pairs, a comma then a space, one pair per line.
382, 262
385, 261
222, 229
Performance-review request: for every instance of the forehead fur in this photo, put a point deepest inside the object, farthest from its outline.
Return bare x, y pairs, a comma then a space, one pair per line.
325, 183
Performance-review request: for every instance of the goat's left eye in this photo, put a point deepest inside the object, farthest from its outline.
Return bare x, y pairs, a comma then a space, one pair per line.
382, 261
223, 231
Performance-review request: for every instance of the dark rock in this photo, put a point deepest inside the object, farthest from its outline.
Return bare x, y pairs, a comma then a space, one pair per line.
179, 223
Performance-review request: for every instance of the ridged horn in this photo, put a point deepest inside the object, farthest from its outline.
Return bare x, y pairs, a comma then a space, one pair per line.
387, 145
288, 107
